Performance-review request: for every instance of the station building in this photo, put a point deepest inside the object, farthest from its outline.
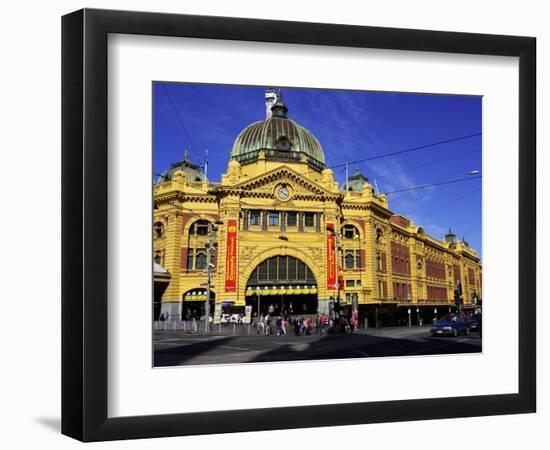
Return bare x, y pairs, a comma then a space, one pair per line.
281, 232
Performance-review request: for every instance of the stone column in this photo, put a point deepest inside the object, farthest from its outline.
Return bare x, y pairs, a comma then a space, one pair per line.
264, 220
300, 221
245, 219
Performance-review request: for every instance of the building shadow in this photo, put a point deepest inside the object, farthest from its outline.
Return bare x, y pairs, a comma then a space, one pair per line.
179, 354
315, 347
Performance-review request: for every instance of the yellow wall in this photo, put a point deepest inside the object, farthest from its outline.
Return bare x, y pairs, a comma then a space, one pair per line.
178, 203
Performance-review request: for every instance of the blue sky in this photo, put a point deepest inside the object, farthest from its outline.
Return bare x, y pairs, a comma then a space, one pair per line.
350, 125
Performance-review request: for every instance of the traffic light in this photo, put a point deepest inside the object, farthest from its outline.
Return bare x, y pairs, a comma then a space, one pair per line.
457, 298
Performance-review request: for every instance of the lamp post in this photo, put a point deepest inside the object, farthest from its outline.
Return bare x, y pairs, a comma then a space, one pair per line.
336, 236
211, 246
209, 266
258, 290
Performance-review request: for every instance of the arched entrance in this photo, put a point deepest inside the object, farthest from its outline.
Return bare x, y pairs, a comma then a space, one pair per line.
194, 302
284, 284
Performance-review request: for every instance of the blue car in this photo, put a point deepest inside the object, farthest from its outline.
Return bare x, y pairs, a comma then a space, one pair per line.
450, 325
473, 321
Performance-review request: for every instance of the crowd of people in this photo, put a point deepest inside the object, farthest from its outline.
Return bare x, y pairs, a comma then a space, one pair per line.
270, 324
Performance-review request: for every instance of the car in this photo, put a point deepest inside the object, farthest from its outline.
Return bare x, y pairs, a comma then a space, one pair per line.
450, 325
473, 321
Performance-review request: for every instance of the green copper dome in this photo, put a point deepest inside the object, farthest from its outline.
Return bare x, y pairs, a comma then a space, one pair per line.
280, 138
356, 182
192, 171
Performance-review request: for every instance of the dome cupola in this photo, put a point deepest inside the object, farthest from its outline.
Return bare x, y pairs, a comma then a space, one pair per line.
192, 171
450, 237
280, 138
356, 182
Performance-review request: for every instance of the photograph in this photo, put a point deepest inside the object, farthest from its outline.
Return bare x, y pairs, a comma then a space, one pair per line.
311, 224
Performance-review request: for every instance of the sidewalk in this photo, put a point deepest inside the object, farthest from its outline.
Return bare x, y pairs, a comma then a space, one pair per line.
234, 329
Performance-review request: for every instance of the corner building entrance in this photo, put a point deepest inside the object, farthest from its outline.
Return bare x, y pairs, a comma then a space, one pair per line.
285, 283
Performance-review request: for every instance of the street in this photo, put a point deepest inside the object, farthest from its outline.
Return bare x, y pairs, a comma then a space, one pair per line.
173, 348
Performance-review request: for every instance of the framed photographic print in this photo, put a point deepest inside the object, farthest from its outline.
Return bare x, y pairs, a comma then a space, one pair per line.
274, 224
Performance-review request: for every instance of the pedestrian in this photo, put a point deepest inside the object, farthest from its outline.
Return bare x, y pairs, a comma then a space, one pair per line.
309, 326
296, 327
283, 325
261, 325
278, 324
267, 325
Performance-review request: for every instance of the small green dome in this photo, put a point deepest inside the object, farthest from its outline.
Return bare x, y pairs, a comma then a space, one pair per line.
280, 138
450, 237
356, 182
192, 171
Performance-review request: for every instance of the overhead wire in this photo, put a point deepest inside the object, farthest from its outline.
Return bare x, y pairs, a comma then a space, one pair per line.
180, 120
405, 150
425, 186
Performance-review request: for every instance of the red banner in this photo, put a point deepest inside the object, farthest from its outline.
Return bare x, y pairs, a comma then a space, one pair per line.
231, 257
331, 258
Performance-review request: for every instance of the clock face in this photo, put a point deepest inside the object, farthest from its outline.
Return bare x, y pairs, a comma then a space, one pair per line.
283, 193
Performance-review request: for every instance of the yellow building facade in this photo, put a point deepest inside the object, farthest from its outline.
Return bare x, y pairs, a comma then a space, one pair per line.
278, 230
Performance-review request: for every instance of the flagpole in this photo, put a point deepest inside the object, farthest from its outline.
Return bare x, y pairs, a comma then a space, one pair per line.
206, 164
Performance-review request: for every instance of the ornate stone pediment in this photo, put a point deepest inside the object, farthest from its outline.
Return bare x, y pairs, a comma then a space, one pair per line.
267, 183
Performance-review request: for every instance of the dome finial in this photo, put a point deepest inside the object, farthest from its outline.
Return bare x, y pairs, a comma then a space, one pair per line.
450, 237
279, 109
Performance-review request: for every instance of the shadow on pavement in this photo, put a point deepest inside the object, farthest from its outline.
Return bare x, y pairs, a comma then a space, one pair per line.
304, 348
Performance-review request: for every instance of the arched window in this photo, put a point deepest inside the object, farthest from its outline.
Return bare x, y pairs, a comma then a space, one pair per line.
282, 270
158, 230
350, 232
199, 228
197, 243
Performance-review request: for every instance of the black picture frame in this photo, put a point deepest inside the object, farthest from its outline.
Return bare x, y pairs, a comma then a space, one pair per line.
84, 224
